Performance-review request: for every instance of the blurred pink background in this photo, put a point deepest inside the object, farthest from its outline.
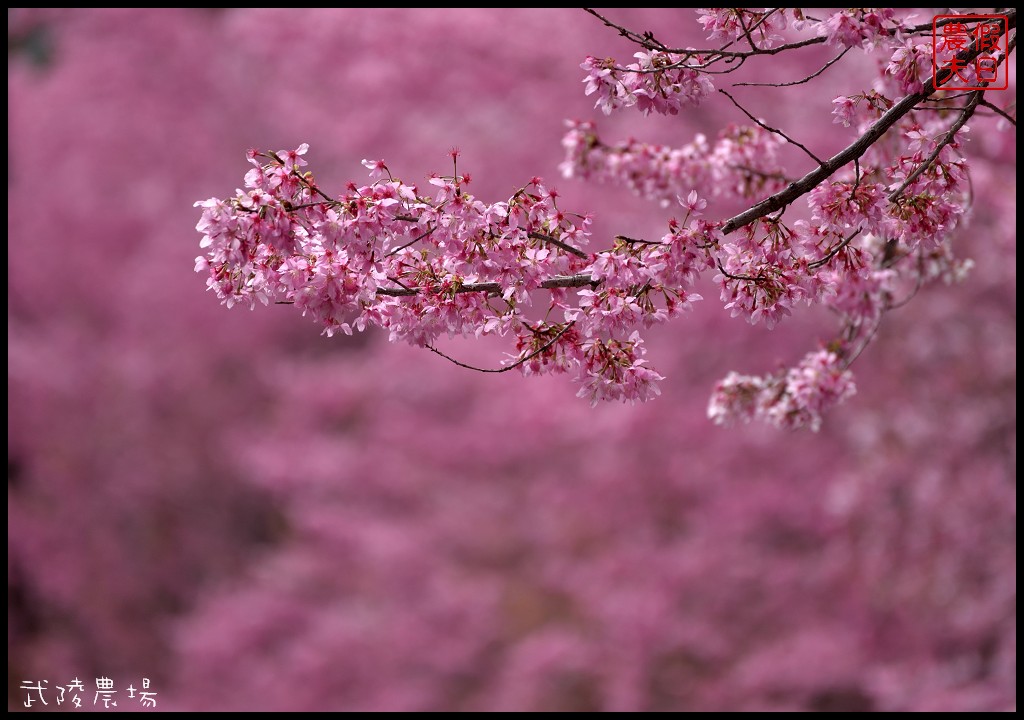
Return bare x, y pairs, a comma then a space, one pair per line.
259, 518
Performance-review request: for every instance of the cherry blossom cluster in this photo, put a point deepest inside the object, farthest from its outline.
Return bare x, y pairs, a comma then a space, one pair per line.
769, 268
742, 163
658, 81
729, 24
385, 253
860, 109
865, 28
911, 65
793, 398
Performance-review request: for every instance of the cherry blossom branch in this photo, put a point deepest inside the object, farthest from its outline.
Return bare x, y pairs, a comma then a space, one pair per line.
976, 98
852, 153
826, 169
346, 262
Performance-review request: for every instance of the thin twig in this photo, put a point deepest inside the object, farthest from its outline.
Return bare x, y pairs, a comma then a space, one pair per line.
771, 129
400, 283
746, 30
759, 23
947, 98
834, 251
867, 341
918, 284
999, 111
747, 278
316, 203
826, 66
648, 41
760, 173
411, 242
301, 178
753, 27
514, 365
558, 243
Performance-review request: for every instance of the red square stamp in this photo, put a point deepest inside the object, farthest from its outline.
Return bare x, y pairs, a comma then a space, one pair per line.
952, 35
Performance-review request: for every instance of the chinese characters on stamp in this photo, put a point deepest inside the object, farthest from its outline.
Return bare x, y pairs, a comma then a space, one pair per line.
952, 35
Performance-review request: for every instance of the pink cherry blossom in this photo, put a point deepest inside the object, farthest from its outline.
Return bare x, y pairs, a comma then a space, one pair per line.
792, 399
861, 27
